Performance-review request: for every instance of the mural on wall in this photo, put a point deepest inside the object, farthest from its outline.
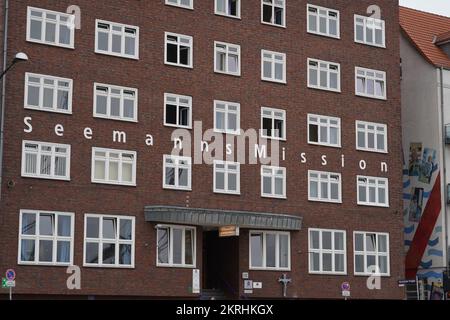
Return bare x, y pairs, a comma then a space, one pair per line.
421, 210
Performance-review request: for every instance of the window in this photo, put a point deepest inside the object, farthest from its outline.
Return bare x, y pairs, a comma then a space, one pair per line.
270, 250
324, 75
178, 50
273, 12
227, 58
113, 102
229, 8
45, 160
46, 237
187, 4
371, 136
226, 177
176, 246
50, 27
117, 39
323, 130
177, 111
371, 253
324, 186
227, 117
273, 123
370, 83
108, 241
47, 93
373, 191
327, 251
177, 172
273, 66
369, 31
273, 182
323, 21
112, 166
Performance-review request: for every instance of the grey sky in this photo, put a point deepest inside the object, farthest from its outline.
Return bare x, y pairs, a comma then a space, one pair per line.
441, 7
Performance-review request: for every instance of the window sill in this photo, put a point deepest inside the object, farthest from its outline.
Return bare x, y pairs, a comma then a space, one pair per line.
371, 45
326, 273
114, 119
178, 65
45, 178
273, 197
269, 269
324, 35
158, 265
44, 264
227, 16
88, 265
107, 53
325, 145
237, 75
69, 112
177, 126
228, 193
179, 6
283, 26
324, 89
114, 183
370, 97
373, 205
372, 151
72, 47
176, 189
274, 81
325, 201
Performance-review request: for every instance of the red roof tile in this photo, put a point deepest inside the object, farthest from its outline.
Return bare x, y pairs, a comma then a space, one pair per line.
422, 29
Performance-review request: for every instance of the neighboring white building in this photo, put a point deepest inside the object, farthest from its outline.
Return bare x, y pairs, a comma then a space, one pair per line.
425, 53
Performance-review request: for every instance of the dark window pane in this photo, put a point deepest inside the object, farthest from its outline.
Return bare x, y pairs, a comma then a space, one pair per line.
313, 133
91, 252
233, 7
172, 53
184, 55
267, 14
125, 229
125, 254
63, 251
92, 227
109, 253
279, 16
171, 114
29, 223
278, 128
27, 250
45, 251
163, 245
267, 126
184, 116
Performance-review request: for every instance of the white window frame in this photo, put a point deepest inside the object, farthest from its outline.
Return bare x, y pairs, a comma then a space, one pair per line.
121, 96
322, 251
190, 45
277, 249
120, 162
318, 68
52, 154
377, 186
55, 87
376, 253
117, 241
227, 13
319, 180
178, 97
70, 23
273, 61
171, 264
273, 117
379, 76
328, 125
180, 5
283, 25
226, 171
227, 52
273, 175
176, 166
375, 132
54, 238
227, 111
109, 52
328, 18
373, 21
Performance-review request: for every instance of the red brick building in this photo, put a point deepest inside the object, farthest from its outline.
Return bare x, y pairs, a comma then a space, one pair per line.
89, 177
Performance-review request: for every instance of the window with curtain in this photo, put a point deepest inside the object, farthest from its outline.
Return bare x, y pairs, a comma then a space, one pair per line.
229, 8
46, 237
324, 186
270, 250
177, 172
371, 253
117, 39
45, 160
227, 117
327, 251
176, 246
111, 166
114, 102
227, 58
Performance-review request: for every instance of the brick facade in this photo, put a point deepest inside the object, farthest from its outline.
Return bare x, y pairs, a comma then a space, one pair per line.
153, 79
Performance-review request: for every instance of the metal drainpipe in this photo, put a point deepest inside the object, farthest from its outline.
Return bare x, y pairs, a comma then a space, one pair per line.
444, 167
2, 107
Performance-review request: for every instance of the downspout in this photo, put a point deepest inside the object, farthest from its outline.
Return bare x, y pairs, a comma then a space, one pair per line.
444, 167
2, 106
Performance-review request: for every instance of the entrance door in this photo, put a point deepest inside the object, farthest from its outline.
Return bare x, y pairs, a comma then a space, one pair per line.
221, 263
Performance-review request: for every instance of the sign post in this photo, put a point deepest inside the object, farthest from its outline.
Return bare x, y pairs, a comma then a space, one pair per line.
9, 281
345, 288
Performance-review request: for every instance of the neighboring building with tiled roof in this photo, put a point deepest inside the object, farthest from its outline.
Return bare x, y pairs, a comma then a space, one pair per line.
425, 30
425, 54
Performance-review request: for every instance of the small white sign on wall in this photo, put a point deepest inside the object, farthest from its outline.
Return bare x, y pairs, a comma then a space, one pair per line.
196, 281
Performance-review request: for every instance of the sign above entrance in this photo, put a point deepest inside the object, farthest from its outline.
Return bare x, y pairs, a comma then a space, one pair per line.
229, 231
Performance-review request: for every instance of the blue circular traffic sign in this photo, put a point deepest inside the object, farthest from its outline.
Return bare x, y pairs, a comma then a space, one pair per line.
10, 274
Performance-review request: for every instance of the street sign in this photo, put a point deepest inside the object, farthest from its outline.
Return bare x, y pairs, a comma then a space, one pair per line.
345, 288
402, 283
8, 283
10, 274
229, 231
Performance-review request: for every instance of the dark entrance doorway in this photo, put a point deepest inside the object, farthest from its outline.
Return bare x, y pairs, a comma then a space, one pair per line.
221, 263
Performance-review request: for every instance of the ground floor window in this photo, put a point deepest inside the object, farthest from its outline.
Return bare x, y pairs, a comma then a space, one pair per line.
108, 241
270, 250
371, 253
327, 251
176, 246
46, 237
